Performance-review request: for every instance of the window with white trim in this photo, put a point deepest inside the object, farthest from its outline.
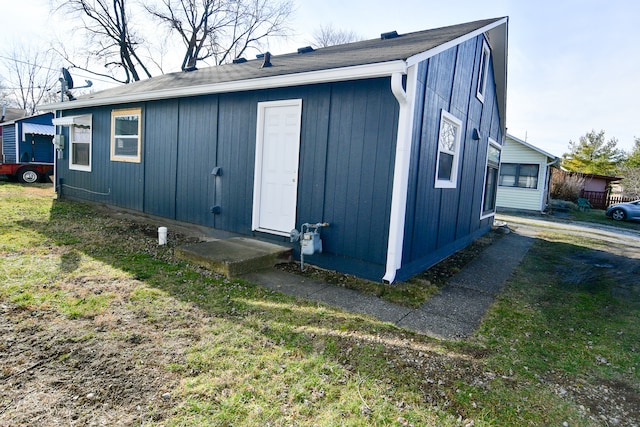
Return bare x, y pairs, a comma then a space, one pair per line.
519, 175
448, 151
483, 70
491, 178
126, 135
80, 147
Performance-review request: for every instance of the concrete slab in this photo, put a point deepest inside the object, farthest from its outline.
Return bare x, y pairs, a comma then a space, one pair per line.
336, 296
286, 283
489, 270
355, 302
457, 310
454, 313
458, 303
435, 326
235, 256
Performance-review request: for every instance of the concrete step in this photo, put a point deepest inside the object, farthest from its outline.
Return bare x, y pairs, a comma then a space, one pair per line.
235, 256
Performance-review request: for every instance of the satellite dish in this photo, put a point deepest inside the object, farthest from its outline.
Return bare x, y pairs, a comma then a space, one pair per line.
67, 78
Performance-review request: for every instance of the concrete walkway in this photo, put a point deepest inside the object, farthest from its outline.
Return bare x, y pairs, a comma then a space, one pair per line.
453, 313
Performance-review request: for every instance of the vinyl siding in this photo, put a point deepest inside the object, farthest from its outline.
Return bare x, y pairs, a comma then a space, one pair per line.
522, 198
9, 143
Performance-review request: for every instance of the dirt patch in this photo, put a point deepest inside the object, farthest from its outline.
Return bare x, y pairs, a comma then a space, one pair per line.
585, 270
107, 369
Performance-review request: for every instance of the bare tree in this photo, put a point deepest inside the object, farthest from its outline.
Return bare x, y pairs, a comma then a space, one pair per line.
111, 38
327, 35
31, 78
194, 22
222, 29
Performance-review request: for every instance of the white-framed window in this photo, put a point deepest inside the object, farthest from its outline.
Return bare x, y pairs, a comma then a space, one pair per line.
519, 175
448, 151
126, 135
491, 179
483, 71
80, 146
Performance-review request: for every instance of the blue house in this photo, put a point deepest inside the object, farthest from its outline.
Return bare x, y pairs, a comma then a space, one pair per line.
394, 141
28, 139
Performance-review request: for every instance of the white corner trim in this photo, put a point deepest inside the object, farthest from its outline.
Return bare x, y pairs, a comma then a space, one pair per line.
406, 100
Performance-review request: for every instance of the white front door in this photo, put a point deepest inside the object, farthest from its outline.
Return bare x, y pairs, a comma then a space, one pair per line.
275, 189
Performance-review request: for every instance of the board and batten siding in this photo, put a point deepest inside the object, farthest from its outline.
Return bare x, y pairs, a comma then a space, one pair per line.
522, 198
348, 137
116, 183
440, 221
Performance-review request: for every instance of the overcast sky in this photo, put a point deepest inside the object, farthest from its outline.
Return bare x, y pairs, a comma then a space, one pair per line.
574, 65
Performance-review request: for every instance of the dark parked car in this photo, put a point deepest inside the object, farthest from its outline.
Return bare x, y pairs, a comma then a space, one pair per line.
624, 211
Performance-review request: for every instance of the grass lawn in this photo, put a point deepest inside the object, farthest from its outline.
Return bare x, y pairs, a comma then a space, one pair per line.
102, 326
597, 216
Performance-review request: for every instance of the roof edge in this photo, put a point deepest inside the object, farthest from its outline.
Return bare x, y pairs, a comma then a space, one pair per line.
382, 69
498, 40
533, 147
447, 45
20, 119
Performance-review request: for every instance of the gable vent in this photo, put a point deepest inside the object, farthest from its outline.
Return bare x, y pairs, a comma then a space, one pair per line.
305, 49
389, 35
239, 60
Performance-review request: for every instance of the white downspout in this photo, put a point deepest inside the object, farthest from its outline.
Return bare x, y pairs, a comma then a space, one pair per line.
547, 185
401, 170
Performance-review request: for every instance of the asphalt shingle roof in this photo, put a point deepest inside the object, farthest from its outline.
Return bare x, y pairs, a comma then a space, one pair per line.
351, 54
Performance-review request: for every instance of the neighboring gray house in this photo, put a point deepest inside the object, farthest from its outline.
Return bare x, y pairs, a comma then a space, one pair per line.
525, 176
394, 141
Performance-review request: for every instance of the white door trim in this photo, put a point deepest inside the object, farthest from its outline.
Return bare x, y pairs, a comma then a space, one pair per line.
258, 171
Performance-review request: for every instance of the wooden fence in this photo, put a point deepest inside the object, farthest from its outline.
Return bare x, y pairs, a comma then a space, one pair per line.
602, 200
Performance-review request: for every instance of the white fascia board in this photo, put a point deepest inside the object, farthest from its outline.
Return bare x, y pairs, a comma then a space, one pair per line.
498, 41
383, 69
412, 60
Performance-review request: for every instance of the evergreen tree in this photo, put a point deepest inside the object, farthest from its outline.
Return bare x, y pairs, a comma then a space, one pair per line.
633, 158
630, 172
593, 155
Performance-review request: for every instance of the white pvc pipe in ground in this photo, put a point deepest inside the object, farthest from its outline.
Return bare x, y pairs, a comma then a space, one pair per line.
162, 235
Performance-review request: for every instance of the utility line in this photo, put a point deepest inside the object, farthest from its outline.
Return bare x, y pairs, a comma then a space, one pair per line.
28, 63
54, 69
